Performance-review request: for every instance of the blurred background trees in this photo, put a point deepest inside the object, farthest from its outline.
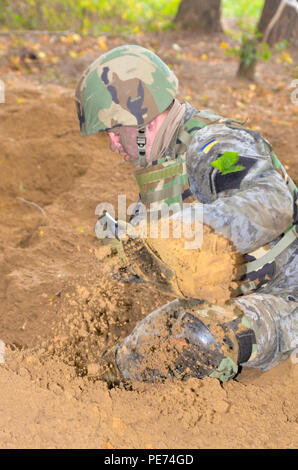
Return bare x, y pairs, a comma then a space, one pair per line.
199, 15
133, 16
277, 26
94, 16
278, 21
257, 25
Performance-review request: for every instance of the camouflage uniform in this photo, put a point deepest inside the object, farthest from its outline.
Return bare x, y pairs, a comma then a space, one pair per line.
252, 207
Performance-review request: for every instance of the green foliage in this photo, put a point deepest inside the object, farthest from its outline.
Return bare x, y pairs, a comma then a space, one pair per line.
280, 46
242, 8
248, 52
249, 49
97, 16
264, 51
246, 49
88, 15
247, 13
226, 163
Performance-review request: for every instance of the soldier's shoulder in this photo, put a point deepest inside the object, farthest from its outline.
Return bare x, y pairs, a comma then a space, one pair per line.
224, 156
227, 135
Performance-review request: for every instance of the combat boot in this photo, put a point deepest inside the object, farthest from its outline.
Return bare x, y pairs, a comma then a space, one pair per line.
185, 339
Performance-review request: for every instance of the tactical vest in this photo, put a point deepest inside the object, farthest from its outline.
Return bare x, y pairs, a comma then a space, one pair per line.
165, 181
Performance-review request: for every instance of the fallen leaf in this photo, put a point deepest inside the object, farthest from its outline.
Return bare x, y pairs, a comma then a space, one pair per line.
286, 57
240, 104
15, 60
176, 47
76, 37
102, 43
41, 54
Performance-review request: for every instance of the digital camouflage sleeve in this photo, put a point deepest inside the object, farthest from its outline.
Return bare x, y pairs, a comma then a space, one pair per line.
252, 208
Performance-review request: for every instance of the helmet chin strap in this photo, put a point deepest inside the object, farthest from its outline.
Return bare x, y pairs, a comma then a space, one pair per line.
141, 143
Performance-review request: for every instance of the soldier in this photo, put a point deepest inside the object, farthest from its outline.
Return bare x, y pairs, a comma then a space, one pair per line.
183, 154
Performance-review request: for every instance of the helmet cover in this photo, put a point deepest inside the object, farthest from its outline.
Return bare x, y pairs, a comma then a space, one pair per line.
127, 86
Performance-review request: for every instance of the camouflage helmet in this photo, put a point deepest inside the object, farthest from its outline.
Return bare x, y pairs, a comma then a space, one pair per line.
127, 86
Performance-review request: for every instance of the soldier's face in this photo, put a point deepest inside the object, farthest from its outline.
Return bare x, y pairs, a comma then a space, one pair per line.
124, 141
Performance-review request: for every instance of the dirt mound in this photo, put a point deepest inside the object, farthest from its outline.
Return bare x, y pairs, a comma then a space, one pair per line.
47, 209
52, 405
97, 315
37, 163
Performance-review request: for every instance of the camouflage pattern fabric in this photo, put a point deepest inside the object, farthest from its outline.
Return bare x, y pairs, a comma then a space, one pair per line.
275, 323
159, 180
251, 207
127, 86
165, 181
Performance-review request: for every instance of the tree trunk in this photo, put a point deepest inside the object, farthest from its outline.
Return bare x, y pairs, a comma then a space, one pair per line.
199, 15
277, 23
248, 59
